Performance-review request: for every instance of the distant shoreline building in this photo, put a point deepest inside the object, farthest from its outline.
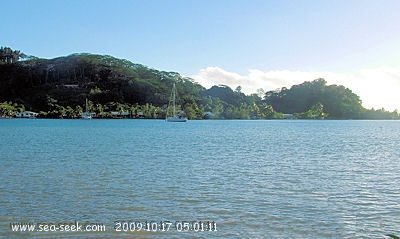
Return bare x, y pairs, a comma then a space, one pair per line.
27, 114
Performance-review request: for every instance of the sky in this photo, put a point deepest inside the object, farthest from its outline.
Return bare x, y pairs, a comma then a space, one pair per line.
255, 44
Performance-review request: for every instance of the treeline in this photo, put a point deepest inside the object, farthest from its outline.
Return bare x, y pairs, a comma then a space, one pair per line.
215, 109
57, 88
316, 99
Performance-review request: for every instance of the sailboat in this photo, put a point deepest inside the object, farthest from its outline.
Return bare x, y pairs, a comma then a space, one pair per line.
172, 103
86, 114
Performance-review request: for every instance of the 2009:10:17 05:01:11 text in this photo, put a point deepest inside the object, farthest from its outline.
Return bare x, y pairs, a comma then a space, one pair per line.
163, 226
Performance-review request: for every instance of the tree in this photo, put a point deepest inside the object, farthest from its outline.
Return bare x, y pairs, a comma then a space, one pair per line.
7, 55
6, 109
267, 111
317, 111
338, 101
238, 89
260, 93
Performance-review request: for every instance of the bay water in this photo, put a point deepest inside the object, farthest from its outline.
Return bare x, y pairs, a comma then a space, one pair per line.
252, 179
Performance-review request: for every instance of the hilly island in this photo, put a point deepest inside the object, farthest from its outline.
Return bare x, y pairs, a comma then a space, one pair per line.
115, 88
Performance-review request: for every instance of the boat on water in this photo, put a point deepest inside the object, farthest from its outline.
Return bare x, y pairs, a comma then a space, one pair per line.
175, 117
87, 115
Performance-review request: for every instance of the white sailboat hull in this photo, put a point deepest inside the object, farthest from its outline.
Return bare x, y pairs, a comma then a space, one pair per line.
86, 115
177, 119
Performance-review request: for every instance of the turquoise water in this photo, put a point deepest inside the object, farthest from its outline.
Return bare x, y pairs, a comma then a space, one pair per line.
254, 179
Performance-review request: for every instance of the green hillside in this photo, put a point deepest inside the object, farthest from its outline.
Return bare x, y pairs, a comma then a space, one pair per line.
57, 88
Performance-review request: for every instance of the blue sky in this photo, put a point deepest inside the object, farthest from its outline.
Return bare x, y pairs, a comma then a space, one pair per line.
255, 44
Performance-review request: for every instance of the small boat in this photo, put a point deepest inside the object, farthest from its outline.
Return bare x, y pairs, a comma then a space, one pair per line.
87, 114
175, 117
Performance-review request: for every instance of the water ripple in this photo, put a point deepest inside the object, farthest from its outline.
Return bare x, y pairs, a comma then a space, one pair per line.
256, 179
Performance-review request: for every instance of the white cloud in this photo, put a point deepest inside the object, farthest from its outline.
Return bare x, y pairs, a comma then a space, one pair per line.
215, 76
377, 87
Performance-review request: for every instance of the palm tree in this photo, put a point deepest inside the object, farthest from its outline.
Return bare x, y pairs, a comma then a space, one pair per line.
7, 55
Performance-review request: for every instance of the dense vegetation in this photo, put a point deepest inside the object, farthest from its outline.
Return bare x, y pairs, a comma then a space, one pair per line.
57, 88
316, 99
7, 55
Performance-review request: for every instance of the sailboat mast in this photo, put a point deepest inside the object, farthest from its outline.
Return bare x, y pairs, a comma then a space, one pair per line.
173, 99
174, 118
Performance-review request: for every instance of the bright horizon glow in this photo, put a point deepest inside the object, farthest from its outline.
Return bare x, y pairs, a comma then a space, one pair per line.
362, 83
255, 44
